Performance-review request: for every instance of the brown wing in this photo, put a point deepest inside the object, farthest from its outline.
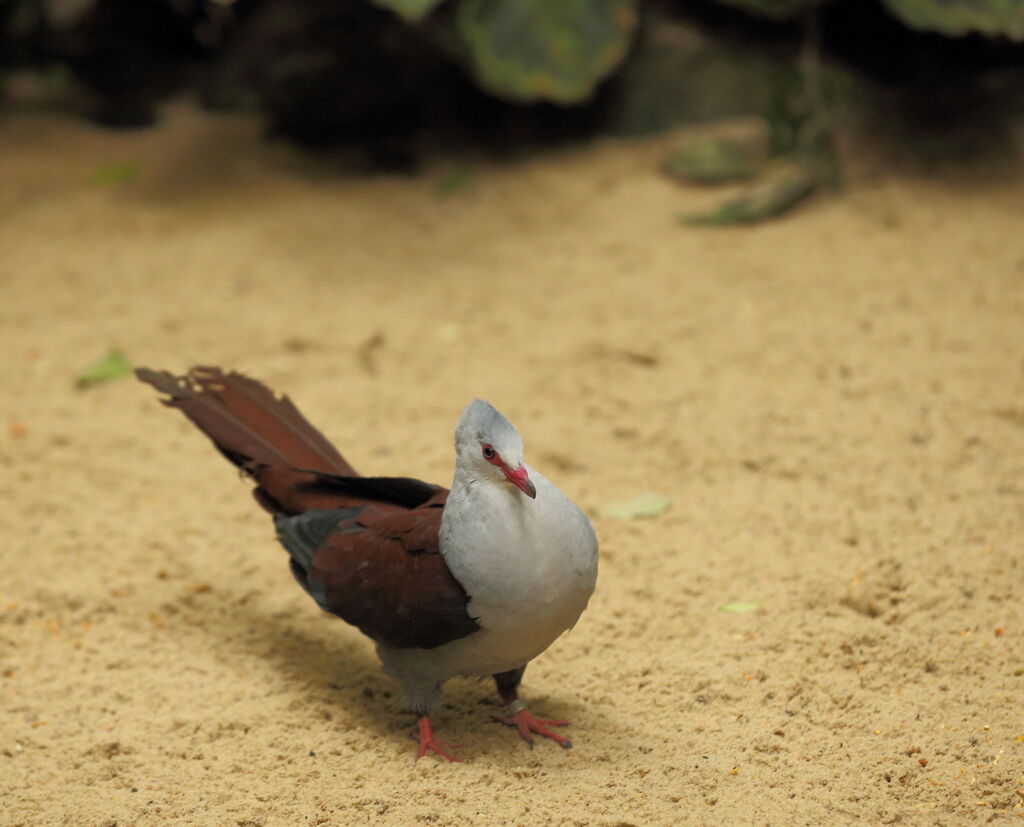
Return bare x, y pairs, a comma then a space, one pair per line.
380, 570
366, 548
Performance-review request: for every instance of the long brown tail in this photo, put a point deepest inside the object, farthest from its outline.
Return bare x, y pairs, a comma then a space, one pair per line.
262, 434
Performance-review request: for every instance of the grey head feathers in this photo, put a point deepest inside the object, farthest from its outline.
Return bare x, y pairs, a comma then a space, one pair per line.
481, 423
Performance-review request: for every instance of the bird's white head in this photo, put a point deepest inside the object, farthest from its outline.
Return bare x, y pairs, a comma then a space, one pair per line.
489, 447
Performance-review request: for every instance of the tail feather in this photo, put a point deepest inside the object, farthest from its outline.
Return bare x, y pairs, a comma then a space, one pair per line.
262, 434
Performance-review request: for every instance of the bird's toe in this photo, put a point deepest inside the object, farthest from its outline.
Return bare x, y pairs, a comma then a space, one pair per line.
528, 726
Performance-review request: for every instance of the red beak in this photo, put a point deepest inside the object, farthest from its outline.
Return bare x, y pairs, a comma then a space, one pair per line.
521, 480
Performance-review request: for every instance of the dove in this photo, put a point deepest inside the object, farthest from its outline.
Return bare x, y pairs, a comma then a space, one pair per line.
475, 580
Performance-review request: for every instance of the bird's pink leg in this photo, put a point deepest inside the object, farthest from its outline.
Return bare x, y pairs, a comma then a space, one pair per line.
522, 719
427, 741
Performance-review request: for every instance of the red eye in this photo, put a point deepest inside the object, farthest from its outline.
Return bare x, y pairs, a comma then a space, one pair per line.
489, 452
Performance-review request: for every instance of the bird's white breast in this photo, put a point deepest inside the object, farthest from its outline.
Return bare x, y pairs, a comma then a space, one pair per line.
529, 567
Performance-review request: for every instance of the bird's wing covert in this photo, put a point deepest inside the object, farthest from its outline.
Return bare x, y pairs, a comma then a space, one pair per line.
381, 570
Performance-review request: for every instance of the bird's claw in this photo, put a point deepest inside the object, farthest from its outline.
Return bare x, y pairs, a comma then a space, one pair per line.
528, 725
424, 736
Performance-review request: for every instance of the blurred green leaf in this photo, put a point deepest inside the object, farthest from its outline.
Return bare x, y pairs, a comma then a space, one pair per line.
554, 50
411, 10
455, 180
115, 173
712, 160
740, 606
787, 184
646, 505
114, 365
959, 17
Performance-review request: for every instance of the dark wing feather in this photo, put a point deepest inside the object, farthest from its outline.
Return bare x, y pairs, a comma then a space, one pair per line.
404, 491
302, 535
365, 548
381, 571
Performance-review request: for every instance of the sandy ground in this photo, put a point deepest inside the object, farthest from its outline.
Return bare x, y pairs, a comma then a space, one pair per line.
834, 404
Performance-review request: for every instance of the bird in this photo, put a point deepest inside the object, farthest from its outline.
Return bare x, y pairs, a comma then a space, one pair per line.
476, 580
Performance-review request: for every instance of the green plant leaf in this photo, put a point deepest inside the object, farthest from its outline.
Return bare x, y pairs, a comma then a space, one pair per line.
114, 365
644, 506
455, 181
739, 606
959, 17
713, 160
115, 173
554, 50
411, 10
787, 184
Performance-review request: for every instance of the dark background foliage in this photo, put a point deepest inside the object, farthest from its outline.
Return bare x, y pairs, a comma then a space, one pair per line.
387, 75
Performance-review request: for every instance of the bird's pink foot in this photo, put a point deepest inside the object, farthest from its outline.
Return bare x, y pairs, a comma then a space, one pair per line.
427, 741
528, 726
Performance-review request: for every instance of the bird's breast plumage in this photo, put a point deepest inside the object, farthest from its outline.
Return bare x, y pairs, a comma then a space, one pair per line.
529, 566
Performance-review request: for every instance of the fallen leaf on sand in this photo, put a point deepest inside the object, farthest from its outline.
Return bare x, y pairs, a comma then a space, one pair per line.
644, 506
781, 189
115, 174
740, 606
114, 365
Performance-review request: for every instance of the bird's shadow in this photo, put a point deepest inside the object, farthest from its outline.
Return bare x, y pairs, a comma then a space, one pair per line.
335, 675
